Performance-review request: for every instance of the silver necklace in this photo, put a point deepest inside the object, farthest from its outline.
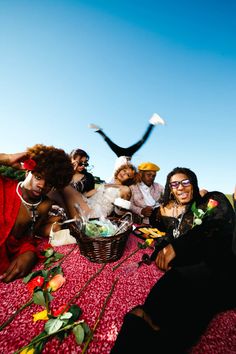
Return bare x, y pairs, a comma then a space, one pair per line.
31, 207
176, 231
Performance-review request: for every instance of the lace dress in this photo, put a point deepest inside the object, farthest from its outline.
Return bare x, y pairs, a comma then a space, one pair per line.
102, 201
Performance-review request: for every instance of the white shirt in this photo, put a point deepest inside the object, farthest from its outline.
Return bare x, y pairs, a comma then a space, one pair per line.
147, 195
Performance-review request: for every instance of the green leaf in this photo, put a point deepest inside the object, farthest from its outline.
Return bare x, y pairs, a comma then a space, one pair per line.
38, 298
53, 325
66, 316
55, 270
39, 346
49, 252
31, 276
142, 245
44, 273
79, 334
58, 256
48, 262
193, 207
50, 297
76, 312
86, 328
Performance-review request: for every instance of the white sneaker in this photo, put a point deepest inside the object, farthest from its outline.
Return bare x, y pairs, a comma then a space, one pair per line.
156, 119
94, 127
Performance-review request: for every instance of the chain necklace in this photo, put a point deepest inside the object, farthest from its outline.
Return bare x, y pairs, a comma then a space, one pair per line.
30, 207
176, 231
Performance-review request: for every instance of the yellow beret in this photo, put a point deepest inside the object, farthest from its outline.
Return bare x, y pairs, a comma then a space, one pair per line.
148, 166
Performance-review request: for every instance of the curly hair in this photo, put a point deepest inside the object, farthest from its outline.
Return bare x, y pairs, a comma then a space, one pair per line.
130, 180
167, 196
54, 164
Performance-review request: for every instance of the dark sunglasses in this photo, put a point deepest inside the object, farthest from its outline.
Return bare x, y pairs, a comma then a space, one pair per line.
85, 164
184, 183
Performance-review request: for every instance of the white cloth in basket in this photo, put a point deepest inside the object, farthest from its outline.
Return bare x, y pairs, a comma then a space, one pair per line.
61, 237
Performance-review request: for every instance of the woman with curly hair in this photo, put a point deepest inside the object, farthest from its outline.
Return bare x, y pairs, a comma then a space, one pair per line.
25, 205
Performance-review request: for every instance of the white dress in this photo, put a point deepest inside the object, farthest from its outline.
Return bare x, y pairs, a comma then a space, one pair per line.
102, 201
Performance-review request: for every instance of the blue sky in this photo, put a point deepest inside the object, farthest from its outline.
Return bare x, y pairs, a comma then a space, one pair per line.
65, 64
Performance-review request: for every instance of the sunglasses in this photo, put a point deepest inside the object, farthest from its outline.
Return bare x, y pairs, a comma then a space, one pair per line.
184, 183
85, 164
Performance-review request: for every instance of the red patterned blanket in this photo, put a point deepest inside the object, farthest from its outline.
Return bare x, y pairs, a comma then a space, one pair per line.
131, 289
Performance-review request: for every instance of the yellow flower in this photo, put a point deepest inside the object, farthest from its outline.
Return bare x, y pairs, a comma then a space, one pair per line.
149, 241
42, 315
27, 351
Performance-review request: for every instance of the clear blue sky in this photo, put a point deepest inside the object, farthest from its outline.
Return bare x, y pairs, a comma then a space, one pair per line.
65, 64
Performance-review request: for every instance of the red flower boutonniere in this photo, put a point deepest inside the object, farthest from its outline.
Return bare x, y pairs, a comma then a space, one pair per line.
29, 165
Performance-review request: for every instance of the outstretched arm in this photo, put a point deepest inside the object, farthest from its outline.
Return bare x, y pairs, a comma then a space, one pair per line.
13, 160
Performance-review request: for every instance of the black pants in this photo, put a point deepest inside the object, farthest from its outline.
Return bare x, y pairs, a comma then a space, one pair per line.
129, 151
181, 303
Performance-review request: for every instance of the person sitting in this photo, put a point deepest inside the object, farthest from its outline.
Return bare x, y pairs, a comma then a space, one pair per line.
82, 180
199, 270
24, 205
100, 201
146, 194
125, 154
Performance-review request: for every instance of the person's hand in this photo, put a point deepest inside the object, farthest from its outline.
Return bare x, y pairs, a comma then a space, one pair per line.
147, 211
203, 192
14, 160
164, 257
19, 267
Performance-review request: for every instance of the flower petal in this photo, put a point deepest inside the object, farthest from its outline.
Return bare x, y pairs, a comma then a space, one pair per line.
42, 315
56, 282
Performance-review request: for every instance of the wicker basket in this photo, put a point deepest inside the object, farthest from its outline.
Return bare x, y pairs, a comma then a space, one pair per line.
103, 249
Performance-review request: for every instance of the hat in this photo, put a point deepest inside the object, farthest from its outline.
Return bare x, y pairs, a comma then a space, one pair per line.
148, 166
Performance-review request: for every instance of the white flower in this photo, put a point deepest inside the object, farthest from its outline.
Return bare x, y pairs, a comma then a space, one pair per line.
200, 212
197, 221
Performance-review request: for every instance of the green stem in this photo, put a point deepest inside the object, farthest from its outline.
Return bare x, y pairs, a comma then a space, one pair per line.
86, 284
10, 319
90, 337
36, 339
65, 256
125, 259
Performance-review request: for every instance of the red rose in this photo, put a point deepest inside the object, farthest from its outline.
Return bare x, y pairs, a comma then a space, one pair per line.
61, 309
37, 281
29, 165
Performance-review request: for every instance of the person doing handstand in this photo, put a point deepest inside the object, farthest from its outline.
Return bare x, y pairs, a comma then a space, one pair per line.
125, 154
